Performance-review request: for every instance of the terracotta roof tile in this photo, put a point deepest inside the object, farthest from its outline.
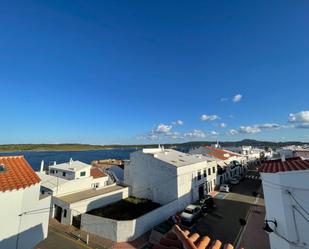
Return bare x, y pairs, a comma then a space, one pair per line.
220, 154
290, 164
178, 238
17, 173
96, 173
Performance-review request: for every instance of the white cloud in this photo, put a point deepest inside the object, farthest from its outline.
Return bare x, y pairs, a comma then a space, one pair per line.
148, 136
249, 129
177, 122
237, 98
153, 137
232, 132
205, 117
300, 117
252, 129
162, 128
214, 133
195, 134
269, 126
222, 125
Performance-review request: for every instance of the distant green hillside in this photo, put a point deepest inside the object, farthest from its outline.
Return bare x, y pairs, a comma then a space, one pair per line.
181, 146
50, 147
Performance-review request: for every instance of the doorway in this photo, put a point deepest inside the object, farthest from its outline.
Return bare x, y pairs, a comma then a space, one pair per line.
76, 221
58, 213
201, 192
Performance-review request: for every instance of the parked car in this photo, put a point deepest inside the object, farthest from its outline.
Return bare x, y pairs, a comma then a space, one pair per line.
190, 214
207, 203
225, 188
234, 181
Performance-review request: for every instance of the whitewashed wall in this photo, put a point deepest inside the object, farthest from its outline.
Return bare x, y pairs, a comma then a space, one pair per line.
121, 231
24, 216
279, 206
102, 181
100, 201
74, 186
151, 178
161, 182
84, 206
70, 175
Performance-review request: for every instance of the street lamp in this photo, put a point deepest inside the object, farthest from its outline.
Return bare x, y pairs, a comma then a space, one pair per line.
267, 228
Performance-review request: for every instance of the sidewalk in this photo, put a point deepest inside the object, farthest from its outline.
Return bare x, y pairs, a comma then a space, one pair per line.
136, 244
72, 232
213, 193
254, 237
97, 242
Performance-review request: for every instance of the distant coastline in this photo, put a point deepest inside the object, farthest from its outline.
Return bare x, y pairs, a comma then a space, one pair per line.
86, 147
51, 147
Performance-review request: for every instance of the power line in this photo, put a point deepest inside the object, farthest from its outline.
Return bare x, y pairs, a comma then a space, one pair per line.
291, 195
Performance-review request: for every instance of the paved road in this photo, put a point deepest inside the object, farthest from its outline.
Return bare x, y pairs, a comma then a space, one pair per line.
223, 222
60, 241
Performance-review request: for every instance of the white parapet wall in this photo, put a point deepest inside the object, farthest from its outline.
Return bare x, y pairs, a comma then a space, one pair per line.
127, 230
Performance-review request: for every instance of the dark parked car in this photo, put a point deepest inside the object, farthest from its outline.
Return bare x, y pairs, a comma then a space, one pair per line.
207, 203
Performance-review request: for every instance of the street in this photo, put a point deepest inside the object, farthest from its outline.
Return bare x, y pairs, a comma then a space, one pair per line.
59, 240
223, 222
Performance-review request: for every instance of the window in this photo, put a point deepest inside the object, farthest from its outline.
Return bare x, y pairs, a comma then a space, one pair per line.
209, 171
64, 213
43, 192
63, 173
213, 170
2, 168
83, 173
204, 173
199, 175
52, 171
96, 185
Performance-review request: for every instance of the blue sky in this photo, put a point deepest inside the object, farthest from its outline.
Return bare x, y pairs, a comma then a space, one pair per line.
153, 71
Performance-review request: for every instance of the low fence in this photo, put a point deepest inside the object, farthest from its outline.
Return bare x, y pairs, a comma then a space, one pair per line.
127, 230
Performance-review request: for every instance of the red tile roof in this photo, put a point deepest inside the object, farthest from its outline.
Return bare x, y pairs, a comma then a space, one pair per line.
290, 164
178, 238
17, 173
96, 173
220, 154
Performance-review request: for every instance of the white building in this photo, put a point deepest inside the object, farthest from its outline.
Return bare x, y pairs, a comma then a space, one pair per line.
228, 162
286, 152
71, 170
286, 194
248, 153
71, 177
165, 175
24, 214
76, 188
293, 151
251, 154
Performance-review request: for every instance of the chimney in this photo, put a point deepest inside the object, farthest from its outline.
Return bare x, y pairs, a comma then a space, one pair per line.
42, 166
71, 160
55, 163
282, 157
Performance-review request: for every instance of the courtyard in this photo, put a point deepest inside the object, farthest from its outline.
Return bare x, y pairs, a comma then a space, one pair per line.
126, 209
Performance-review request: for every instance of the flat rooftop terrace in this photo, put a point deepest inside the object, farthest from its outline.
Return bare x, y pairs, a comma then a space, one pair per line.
90, 193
